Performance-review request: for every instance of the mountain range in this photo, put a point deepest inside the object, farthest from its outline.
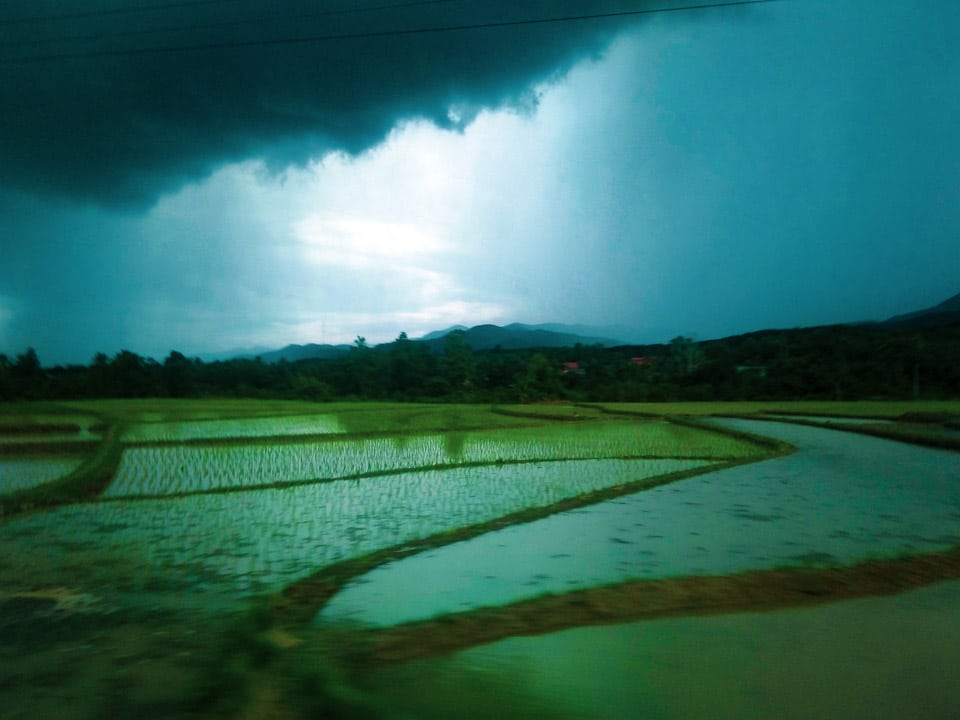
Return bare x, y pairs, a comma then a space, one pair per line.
946, 313
518, 336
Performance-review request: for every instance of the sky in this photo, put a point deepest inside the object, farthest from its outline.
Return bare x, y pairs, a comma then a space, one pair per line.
215, 175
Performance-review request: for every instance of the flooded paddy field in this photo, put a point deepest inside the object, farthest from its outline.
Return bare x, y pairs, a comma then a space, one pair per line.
240, 544
127, 601
869, 659
838, 499
19, 473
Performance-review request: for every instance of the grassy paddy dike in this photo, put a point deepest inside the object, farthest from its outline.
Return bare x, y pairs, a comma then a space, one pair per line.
256, 459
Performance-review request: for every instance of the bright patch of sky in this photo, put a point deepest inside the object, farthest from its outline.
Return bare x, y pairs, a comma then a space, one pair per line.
784, 165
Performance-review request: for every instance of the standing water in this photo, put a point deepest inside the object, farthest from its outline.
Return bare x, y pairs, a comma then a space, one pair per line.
839, 499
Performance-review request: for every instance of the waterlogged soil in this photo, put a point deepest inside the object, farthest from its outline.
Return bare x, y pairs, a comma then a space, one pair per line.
840, 499
111, 609
234, 428
188, 469
228, 546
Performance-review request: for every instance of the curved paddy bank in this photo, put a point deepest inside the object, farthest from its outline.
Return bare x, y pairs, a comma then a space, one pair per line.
660, 678
225, 548
877, 658
840, 499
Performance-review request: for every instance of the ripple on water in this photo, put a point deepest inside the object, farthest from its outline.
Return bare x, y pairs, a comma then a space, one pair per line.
843, 497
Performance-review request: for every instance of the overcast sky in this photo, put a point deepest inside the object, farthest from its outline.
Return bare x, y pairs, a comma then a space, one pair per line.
703, 173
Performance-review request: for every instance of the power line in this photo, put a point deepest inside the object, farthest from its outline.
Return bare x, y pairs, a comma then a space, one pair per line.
310, 39
223, 23
128, 10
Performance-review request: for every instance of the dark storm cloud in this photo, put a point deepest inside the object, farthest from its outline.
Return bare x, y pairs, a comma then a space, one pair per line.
123, 128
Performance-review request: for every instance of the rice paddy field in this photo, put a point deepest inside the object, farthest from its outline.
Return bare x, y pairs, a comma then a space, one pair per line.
238, 558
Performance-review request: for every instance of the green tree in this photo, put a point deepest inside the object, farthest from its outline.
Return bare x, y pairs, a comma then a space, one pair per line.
27, 375
178, 376
684, 355
365, 372
409, 368
129, 376
459, 366
6, 383
540, 381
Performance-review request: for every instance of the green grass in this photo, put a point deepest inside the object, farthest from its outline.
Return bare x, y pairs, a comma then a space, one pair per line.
362, 419
183, 410
550, 411
861, 408
355, 417
924, 434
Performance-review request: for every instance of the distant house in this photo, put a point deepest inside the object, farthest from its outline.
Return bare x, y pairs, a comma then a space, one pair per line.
571, 368
641, 361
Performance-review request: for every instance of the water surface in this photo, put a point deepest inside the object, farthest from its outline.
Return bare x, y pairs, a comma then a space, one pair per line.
841, 498
230, 546
869, 659
22, 473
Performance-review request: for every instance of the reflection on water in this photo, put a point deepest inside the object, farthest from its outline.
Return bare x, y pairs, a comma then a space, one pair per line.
198, 428
839, 499
237, 545
871, 659
836, 419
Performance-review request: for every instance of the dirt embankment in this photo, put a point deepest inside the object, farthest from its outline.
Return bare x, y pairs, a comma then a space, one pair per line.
699, 595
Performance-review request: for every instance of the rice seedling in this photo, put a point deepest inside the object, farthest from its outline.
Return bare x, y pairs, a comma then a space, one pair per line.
182, 469
234, 428
364, 419
241, 544
130, 411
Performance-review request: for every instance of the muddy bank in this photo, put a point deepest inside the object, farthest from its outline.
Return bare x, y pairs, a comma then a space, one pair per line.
703, 595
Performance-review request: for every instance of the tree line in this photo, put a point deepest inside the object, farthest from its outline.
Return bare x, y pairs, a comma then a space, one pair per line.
834, 363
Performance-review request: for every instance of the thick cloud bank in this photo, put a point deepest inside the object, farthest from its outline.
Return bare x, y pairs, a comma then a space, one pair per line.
102, 103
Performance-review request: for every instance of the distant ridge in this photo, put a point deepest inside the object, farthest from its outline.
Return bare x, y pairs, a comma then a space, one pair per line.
946, 313
311, 351
518, 336
437, 334
515, 336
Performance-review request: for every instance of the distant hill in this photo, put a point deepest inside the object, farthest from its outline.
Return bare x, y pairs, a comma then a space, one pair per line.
311, 351
437, 334
946, 313
607, 334
518, 336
